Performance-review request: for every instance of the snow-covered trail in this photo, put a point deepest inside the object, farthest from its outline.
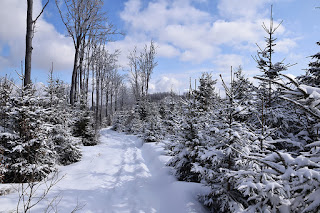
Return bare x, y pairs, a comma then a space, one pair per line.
120, 175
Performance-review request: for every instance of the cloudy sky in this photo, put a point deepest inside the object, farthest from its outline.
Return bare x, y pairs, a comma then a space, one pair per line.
192, 36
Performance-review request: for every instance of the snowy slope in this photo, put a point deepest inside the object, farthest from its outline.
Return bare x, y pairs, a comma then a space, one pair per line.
119, 175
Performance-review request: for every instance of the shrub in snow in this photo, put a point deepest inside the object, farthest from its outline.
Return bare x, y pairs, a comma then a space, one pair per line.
36, 137
222, 157
153, 130
306, 99
120, 121
83, 127
186, 148
290, 182
2, 166
134, 123
68, 151
26, 160
226, 139
277, 181
6, 87
28, 151
153, 125
57, 116
142, 108
171, 117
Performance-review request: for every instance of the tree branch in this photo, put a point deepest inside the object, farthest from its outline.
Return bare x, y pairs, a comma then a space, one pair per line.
34, 21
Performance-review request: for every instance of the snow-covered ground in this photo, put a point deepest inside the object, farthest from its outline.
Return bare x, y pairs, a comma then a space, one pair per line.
119, 175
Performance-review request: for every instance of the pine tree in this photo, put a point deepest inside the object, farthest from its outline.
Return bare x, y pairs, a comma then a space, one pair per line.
57, 119
221, 158
243, 88
187, 146
312, 76
6, 88
264, 59
28, 151
205, 94
84, 127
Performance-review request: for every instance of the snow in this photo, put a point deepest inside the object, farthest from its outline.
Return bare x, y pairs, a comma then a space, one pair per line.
271, 186
120, 174
239, 108
314, 92
314, 144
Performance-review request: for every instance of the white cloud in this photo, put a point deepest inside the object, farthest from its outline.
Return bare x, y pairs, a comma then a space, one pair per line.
167, 50
234, 32
192, 35
243, 9
180, 29
185, 33
285, 45
224, 62
165, 84
159, 14
49, 45
175, 25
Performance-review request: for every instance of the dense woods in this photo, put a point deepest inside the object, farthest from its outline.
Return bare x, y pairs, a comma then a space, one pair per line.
256, 147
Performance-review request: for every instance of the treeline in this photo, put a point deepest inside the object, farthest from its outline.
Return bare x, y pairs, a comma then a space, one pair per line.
257, 149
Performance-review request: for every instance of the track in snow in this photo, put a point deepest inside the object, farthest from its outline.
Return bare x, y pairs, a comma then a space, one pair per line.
120, 175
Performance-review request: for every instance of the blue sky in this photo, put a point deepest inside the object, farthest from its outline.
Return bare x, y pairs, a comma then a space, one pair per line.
193, 36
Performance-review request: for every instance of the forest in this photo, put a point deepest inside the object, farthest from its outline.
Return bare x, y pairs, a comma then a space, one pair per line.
256, 146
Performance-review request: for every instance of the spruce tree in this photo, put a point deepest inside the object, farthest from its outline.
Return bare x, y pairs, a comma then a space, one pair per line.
205, 94
28, 151
266, 64
312, 76
6, 88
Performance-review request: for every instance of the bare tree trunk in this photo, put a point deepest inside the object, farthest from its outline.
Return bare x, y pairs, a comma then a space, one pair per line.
74, 74
97, 97
122, 97
107, 101
92, 93
101, 101
116, 100
76, 97
81, 72
111, 96
29, 35
87, 75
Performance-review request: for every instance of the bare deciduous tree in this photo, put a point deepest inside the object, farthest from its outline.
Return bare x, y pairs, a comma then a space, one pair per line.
29, 36
30, 195
141, 68
134, 72
148, 63
83, 18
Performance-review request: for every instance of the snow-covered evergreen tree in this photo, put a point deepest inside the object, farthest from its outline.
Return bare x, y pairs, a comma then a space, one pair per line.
6, 88
83, 127
205, 95
28, 151
270, 69
187, 147
221, 156
312, 76
37, 134
153, 126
